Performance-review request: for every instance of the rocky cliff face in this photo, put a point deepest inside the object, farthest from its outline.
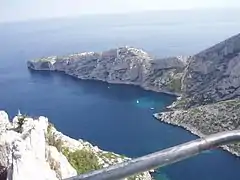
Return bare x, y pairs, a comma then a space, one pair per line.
207, 119
210, 92
125, 65
213, 75
34, 149
205, 81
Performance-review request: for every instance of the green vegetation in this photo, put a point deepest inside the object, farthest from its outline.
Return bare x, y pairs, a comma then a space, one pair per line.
132, 177
51, 139
49, 128
195, 111
108, 155
20, 122
82, 160
135, 177
175, 84
182, 103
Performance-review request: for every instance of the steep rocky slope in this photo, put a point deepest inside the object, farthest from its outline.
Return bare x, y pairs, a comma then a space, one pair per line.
207, 119
205, 82
34, 149
214, 74
125, 65
210, 92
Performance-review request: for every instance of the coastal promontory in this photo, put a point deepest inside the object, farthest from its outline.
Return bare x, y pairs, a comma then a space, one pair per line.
207, 83
124, 65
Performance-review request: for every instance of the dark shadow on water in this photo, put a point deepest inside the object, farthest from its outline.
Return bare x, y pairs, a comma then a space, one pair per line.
119, 92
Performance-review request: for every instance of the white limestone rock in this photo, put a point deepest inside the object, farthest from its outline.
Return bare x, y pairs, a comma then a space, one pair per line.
27, 154
26, 164
4, 121
24, 152
124, 65
59, 163
71, 143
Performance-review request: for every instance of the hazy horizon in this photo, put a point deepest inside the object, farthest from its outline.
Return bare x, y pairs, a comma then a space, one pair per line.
167, 33
198, 13
24, 10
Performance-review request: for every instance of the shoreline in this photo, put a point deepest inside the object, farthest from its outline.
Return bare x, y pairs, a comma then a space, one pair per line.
193, 131
186, 127
153, 89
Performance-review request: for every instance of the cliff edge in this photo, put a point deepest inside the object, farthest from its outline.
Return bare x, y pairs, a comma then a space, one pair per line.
124, 65
210, 92
34, 149
208, 83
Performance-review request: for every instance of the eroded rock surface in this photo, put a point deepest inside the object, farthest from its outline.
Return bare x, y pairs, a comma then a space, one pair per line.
124, 65
34, 149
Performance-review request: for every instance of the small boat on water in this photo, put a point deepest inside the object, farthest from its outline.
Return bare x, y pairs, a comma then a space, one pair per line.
137, 101
152, 108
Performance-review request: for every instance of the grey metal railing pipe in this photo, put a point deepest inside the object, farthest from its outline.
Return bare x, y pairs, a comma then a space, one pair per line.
161, 158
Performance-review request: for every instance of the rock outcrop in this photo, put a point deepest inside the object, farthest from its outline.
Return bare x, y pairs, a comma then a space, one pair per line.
125, 65
213, 75
210, 92
207, 119
34, 149
208, 83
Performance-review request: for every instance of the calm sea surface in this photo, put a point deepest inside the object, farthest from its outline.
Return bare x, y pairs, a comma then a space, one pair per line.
108, 115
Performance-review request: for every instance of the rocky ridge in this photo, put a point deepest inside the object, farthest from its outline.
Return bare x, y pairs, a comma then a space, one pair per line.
210, 92
213, 75
124, 65
29, 146
206, 82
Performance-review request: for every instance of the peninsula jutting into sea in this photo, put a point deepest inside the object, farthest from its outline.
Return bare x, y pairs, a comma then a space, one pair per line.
207, 83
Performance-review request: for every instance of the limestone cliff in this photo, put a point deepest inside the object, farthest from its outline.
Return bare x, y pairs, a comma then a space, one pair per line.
125, 65
208, 83
34, 149
214, 74
210, 92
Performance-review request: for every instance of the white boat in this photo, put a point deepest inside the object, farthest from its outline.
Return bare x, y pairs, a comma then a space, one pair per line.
137, 101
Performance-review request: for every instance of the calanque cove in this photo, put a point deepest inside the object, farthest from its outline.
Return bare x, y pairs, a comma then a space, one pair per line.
207, 85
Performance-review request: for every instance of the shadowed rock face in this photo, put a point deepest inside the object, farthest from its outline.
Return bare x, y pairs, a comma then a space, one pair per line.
3, 173
211, 90
214, 74
125, 65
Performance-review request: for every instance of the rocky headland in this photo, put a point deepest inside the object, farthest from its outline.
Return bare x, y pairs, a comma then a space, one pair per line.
124, 65
208, 83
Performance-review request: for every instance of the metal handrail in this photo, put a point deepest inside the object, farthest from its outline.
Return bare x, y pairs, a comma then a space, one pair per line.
161, 158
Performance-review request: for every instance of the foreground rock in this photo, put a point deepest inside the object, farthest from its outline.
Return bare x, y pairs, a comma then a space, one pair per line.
34, 149
125, 65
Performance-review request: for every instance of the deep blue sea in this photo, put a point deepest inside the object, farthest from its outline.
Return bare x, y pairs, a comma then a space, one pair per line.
104, 114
